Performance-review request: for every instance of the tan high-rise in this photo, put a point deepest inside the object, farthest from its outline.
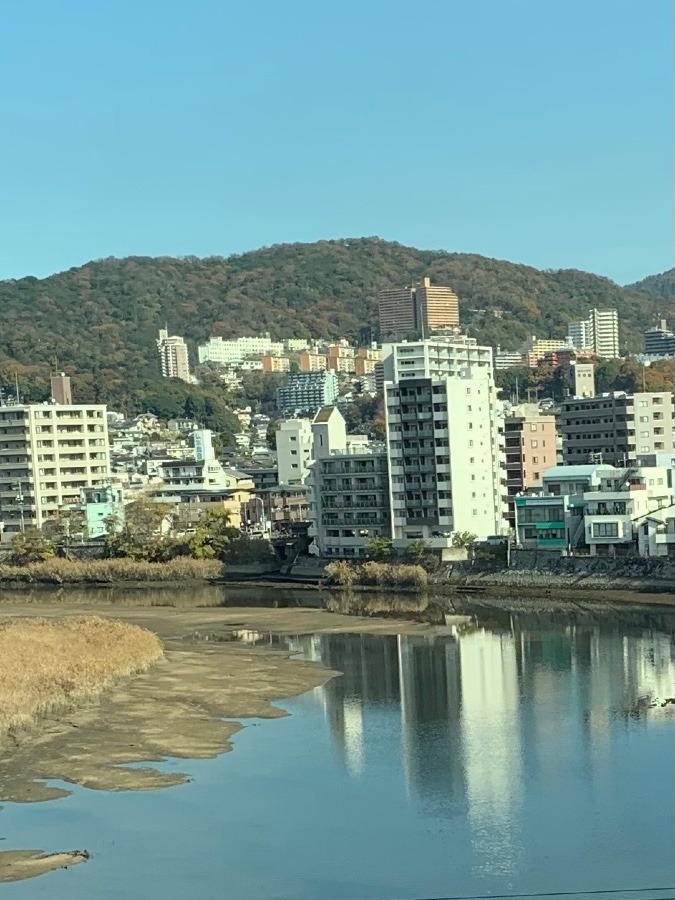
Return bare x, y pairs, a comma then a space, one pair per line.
437, 307
424, 308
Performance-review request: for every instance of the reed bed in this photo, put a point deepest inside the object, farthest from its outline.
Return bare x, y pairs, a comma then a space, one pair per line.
47, 665
375, 574
110, 571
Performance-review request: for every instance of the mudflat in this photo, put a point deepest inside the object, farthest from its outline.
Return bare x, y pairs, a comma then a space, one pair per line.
186, 705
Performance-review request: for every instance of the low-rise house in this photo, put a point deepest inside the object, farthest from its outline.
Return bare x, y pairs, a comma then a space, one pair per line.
597, 508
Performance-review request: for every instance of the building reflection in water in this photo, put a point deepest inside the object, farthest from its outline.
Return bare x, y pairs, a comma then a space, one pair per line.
473, 712
471, 717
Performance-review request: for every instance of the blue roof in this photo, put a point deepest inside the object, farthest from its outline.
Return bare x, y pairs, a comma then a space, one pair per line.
576, 471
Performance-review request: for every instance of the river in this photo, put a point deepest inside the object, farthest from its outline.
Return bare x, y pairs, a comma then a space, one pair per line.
519, 753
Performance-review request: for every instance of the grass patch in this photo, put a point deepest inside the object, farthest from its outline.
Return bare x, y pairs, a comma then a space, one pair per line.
110, 571
46, 665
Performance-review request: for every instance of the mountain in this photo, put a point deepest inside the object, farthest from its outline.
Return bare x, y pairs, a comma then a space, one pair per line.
658, 286
99, 321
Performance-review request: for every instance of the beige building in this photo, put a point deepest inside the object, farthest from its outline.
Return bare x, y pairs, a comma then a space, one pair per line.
530, 439
406, 310
312, 362
173, 354
536, 349
48, 453
437, 307
275, 363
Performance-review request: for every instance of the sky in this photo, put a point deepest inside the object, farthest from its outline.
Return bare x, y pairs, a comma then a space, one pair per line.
538, 131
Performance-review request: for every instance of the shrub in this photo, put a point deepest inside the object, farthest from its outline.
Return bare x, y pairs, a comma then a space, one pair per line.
377, 574
342, 573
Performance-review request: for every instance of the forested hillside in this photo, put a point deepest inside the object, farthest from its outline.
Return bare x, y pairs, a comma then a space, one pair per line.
100, 321
658, 286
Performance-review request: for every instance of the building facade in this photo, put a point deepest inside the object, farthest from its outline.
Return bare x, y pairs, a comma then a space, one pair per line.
599, 333
397, 311
437, 307
294, 451
306, 392
600, 509
530, 444
48, 454
173, 355
660, 341
445, 442
615, 428
349, 503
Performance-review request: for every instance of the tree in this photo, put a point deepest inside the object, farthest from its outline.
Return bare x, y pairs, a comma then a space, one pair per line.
31, 546
212, 535
145, 518
62, 527
417, 550
379, 548
463, 539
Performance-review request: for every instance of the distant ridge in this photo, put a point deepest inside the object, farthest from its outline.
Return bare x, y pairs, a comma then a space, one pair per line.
101, 319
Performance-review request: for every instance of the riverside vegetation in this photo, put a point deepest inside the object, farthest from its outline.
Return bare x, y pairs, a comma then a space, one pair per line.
49, 665
143, 549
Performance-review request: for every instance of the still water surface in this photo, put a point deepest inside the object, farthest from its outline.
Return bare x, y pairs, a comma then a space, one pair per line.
520, 756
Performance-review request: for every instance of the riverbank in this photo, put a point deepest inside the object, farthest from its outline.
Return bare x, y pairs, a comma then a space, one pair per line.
48, 666
108, 571
187, 705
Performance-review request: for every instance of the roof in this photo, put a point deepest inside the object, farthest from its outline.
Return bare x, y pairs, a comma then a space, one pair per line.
577, 471
323, 415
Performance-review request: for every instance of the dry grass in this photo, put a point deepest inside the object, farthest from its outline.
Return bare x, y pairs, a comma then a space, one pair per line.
386, 575
110, 571
45, 665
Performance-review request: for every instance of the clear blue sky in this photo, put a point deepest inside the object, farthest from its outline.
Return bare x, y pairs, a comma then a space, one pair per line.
538, 131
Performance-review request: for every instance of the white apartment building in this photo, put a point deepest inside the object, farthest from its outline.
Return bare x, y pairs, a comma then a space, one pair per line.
445, 442
173, 354
224, 353
599, 333
48, 453
604, 328
294, 451
579, 335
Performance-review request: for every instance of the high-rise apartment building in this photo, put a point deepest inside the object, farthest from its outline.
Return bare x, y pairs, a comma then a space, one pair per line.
660, 341
604, 327
599, 333
615, 428
579, 335
349, 502
530, 440
397, 311
48, 454
173, 354
425, 307
437, 307
305, 392
445, 442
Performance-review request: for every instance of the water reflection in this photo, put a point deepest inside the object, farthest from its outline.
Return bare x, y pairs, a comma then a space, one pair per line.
472, 714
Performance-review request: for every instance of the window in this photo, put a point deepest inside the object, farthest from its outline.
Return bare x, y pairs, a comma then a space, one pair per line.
535, 459
533, 427
644, 434
534, 444
644, 418
605, 529
643, 403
